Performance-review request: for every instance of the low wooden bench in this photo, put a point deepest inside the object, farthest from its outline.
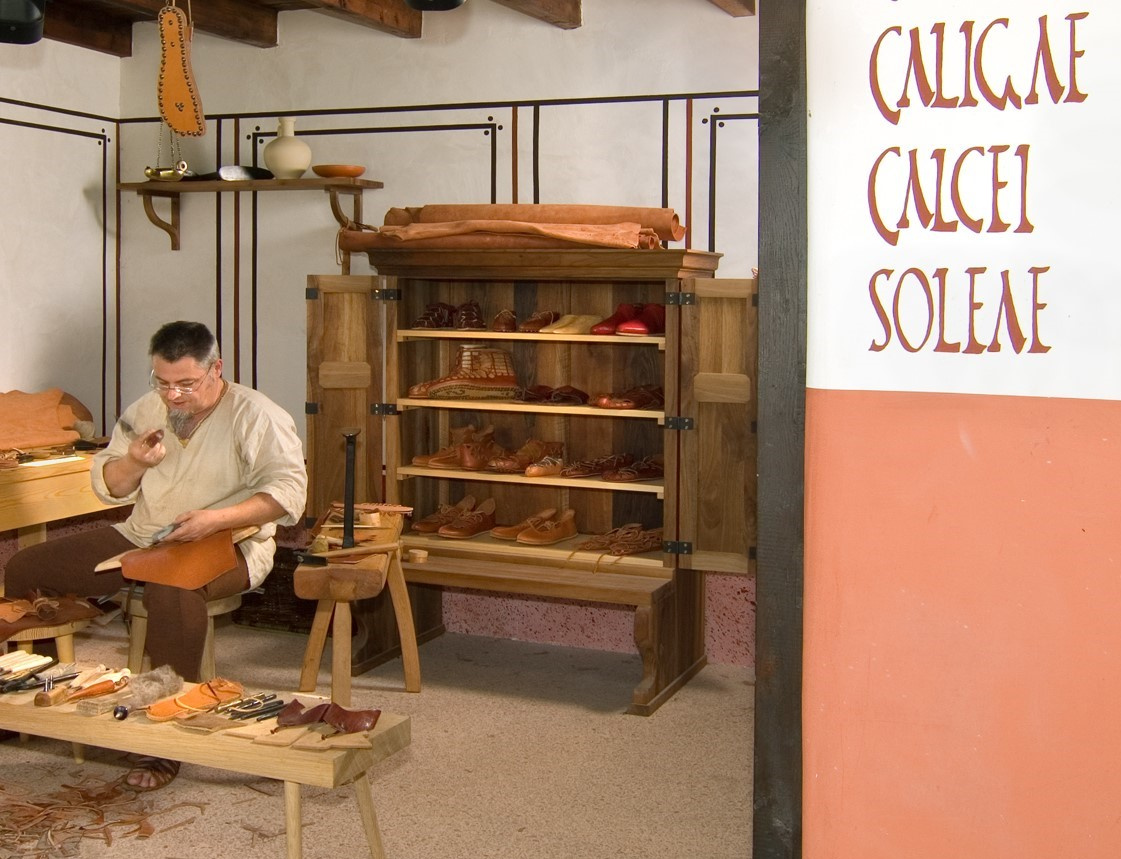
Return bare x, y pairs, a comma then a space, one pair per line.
329, 768
672, 650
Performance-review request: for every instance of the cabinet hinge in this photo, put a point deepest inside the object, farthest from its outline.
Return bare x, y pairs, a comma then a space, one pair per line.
677, 422
311, 408
677, 547
383, 409
385, 294
681, 298
311, 293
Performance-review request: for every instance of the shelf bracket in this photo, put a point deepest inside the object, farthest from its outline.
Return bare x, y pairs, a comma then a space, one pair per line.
172, 229
356, 208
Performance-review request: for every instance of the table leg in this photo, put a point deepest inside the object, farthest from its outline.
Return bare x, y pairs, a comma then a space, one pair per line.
369, 816
317, 640
293, 822
340, 655
29, 535
403, 610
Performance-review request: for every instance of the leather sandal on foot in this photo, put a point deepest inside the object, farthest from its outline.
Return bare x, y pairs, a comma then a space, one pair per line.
161, 771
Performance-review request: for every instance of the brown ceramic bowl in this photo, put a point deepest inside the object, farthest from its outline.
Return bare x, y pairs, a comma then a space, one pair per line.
334, 171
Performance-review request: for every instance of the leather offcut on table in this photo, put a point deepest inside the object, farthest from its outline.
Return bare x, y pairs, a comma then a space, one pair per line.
501, 234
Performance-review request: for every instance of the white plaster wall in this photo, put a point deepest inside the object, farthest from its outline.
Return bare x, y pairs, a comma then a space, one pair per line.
54, 249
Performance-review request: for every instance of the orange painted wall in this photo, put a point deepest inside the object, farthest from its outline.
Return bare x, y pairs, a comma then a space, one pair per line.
962, 674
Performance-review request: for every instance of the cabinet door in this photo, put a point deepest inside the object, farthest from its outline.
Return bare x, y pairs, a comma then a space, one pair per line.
345, 359
715, 494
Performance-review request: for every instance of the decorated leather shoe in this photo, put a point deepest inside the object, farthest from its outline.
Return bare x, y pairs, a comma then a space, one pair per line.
481, 373
622, 313
470, 524
652, 320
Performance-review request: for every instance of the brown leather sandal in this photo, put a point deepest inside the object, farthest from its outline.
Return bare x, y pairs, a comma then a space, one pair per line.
161, 771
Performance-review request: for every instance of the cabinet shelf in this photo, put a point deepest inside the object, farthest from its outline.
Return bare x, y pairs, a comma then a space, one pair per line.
334, 187
407, 334
654, 487
562, 554
530, 408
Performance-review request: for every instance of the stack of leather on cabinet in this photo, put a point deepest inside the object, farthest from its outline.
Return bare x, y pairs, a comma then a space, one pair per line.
41, 419
478, 226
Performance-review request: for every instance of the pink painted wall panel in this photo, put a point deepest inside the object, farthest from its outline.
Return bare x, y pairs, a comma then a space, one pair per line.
962, 643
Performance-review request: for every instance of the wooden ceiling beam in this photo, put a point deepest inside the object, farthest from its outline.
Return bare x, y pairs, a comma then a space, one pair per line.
736, 8
237, 20
566, 14
73, 22
388, 16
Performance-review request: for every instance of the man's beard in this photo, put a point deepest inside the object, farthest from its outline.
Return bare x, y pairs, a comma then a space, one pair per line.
179, 421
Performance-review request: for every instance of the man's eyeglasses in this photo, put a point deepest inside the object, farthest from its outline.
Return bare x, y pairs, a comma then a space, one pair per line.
184, 390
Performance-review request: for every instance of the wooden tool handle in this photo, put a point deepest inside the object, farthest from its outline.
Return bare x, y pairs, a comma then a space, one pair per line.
54, 696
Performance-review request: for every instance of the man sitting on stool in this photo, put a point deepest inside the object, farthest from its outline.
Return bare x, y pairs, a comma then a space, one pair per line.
197, 452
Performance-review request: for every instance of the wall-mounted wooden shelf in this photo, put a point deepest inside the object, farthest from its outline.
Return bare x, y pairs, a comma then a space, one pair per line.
173, 190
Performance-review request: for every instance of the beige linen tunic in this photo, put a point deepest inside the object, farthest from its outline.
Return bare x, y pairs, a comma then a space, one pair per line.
248, 444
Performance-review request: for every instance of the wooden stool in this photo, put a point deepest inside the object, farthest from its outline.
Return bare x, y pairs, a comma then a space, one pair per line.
63, 636
138, 617
343, 584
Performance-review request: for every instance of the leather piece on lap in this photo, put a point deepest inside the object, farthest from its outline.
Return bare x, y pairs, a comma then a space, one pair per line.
183, 565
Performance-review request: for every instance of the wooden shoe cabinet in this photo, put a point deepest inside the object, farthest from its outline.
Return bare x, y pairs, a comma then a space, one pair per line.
363, 356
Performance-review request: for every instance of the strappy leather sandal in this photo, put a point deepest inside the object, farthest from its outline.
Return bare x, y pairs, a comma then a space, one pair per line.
201, 699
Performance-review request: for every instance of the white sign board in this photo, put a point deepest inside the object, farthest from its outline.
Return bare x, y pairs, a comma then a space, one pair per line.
962, 188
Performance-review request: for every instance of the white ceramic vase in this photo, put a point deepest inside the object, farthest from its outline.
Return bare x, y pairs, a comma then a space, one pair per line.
286, 156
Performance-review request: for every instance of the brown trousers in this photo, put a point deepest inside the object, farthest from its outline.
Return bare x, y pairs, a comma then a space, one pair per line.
176, 617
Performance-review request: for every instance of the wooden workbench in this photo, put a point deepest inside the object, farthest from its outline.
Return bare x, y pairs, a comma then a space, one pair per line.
329, 768
32, 495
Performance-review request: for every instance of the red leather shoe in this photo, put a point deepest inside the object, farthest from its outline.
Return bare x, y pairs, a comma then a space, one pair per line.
652, 320
622, 313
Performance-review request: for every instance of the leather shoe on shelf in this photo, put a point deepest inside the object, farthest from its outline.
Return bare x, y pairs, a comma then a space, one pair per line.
598, 466
526, 455
652, 320
622, 313
642, 397
535, 394
459, 435
548, 531
510, 532
470, 524
566, 395
446, 513
468, 317
648, 468
601, 542
469, 456
437, 315
505, 322
547, 466
557, 323
539, 320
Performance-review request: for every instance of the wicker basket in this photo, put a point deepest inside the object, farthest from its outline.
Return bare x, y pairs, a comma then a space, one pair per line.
275, 605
